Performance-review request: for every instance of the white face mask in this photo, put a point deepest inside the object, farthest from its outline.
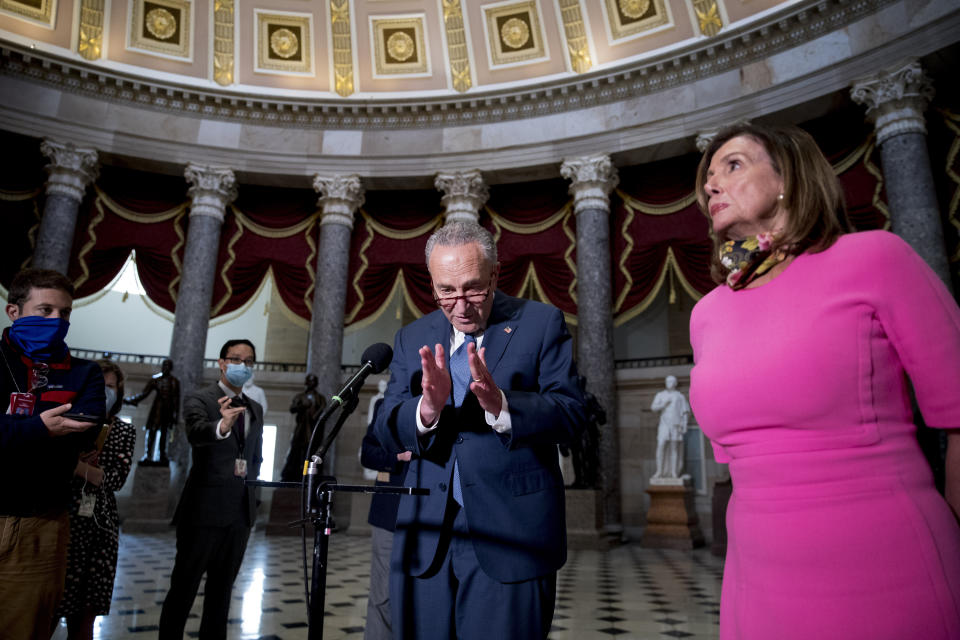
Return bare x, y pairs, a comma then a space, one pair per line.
111, 397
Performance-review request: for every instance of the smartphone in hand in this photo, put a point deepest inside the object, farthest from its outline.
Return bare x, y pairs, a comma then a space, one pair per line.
83, 417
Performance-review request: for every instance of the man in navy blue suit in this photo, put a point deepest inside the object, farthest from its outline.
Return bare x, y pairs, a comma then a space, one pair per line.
478, 556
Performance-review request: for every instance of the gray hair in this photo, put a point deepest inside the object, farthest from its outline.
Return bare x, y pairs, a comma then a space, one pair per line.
455, 234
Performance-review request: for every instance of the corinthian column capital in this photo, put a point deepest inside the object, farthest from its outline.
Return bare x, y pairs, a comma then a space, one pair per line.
213, 188
895, 99
464, 192
592, 178
340, 197
71, 169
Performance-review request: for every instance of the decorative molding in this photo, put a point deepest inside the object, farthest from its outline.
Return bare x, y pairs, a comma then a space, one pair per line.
727, 51
161, 27
576, 33
895, 99
90, 30
708, 17
284, 42
513, 33
70, 170
592, 178
633, 17
398, 45
211, 190
457, 45
342, 47
223, 47
340, 197
464, 192
704, 138
42, 11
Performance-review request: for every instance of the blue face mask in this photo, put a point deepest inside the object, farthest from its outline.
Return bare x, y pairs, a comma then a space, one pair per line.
40, 338
237, 374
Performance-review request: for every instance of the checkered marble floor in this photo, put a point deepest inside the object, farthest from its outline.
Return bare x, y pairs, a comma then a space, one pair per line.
628, 592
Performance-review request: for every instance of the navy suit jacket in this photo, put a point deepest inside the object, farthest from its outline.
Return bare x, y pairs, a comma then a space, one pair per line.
512, 487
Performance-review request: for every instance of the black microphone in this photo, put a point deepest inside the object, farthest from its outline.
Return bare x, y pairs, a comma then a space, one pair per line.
375, 359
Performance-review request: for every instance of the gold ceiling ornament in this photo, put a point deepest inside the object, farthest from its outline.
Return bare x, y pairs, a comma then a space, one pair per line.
160, 23
223, 46
162, 27
630, 18
39, 10
634, 8
576, 34
708, 15
90, 41
284, 43
342, 47
457, 46
515, 33
400, 46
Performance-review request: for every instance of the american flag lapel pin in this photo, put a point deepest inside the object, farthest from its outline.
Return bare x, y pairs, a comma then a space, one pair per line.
507, 329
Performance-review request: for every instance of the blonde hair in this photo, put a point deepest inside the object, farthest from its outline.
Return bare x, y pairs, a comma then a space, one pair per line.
812, 195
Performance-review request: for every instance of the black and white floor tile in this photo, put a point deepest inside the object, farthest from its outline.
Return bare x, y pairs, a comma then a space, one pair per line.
628, 592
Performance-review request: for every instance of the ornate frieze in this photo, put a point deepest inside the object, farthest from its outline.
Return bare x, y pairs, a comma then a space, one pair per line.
342, 46
708, 16
223, 47
161, 26
284, 42
576, 34
513, 33
464, 192
632, 17
340, 197
42, 11
211, 190
457, 45
90, 32
895, 99
399, 46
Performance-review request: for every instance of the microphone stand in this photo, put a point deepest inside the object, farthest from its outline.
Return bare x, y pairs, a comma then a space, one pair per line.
317, 507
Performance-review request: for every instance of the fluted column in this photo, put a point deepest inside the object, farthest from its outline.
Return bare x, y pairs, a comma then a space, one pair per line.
213, 188
591, 180
464, 194
71, 170
895, 100
340, 197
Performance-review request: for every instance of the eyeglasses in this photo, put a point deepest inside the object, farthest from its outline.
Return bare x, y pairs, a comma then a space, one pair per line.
471, 296
234, 360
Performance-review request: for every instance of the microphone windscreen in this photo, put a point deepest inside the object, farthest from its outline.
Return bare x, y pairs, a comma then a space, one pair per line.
378, 355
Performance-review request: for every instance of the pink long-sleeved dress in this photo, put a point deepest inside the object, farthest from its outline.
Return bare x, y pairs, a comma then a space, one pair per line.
835, 529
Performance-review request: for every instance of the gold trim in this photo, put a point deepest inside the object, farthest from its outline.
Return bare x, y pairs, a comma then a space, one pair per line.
239, 311
91, 243
873, 170
43, 14
172, 287
457, 46
381, 49
364, 263
708, 17
657, 209
394, 234
97, 295
503, 52
134, 216
527, 229
951, 119
308, 234
266, 232
624, 256
572, 237
298, 60
576, 33
398, 283
851, 159
641, 306
90, 31
180, 47
20, 196
621, 28
231, 258
223, 46
342, 46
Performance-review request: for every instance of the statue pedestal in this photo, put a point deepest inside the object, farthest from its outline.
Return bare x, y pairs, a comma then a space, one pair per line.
672, 520
284, 509
146, 509
585, 520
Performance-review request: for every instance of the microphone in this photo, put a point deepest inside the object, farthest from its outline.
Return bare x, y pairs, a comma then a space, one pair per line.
375, 359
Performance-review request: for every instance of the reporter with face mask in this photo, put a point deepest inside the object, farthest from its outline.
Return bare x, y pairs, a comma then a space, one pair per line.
39, 448
216, 509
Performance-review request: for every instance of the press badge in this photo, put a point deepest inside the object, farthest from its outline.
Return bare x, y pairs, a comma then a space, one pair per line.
87, 502
21, 404
240, 467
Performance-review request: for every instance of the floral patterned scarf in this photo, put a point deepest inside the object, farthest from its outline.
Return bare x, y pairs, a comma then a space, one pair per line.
747, 259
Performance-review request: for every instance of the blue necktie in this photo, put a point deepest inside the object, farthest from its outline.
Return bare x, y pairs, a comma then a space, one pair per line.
461, 378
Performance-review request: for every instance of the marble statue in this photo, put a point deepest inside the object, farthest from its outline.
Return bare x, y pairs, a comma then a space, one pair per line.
674, 414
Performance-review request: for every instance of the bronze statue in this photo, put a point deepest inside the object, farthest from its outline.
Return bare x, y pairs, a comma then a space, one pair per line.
586, 450
163, 414
307, 407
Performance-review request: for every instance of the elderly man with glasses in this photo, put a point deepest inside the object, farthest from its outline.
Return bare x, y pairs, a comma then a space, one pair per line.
216, 509
481, 392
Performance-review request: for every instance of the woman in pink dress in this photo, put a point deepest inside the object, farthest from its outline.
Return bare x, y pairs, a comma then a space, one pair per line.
803, 357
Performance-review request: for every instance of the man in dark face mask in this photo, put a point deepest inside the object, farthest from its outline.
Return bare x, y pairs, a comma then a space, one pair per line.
39, 447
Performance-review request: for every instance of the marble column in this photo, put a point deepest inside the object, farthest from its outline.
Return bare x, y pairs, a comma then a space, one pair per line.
340, 197
71, 170
464, 192
592, 178
895, 100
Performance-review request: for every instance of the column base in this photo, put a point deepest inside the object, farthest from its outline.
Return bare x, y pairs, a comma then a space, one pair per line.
284, 509
146, 509
672, 520
585, 520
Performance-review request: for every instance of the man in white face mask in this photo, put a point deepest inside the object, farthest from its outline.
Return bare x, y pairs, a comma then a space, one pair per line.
216, 509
